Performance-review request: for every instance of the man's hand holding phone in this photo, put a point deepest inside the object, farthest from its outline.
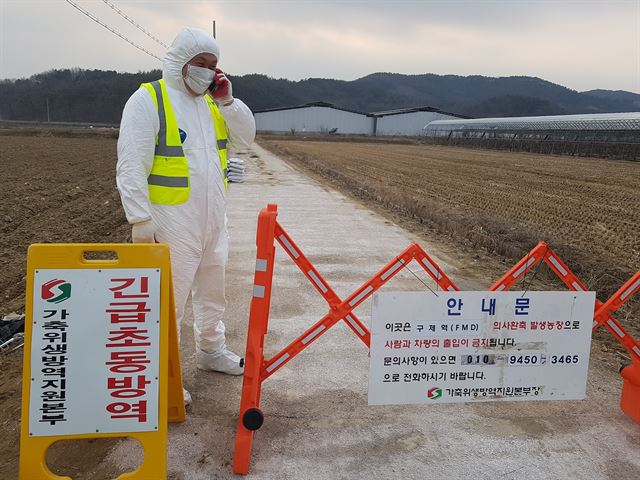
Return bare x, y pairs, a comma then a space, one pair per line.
220, 89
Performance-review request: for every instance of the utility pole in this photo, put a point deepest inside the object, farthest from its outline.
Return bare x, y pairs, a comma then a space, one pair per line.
48, 117
214, 29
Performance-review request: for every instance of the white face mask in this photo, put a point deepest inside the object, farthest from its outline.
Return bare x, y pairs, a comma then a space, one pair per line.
198, 79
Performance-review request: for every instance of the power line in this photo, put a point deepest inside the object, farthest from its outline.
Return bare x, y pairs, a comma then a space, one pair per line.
112, 30
134, 23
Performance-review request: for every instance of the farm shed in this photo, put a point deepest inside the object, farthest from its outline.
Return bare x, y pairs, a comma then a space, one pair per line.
409, 121
314, 117
326, 117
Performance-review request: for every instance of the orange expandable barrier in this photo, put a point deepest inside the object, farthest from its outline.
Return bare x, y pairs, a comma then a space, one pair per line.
258, 369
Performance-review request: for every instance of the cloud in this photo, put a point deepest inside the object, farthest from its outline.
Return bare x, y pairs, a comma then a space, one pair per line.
583, 48
582, 45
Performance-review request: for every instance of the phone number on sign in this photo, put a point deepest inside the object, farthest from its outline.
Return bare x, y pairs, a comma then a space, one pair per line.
533, 359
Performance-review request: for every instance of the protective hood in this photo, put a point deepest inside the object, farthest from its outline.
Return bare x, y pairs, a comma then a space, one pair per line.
187, 44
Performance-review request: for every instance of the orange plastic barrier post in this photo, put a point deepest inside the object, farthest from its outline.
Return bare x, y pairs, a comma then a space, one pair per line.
251, 417
257, 369
630, 400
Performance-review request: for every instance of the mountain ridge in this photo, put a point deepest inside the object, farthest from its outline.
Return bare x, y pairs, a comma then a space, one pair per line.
99, 95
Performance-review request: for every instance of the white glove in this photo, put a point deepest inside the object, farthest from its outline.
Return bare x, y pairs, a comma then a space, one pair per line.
222, 93
143, 232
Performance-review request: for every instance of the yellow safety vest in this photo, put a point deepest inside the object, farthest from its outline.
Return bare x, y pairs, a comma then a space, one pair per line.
169, 178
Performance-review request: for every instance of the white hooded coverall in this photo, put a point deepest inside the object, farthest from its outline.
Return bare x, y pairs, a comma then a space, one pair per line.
196, 230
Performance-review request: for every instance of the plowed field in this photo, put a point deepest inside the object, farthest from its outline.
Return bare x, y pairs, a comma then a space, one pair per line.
587, 209
54, 190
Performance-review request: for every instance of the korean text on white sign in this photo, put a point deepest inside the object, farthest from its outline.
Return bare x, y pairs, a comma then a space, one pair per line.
479, 346
95, 351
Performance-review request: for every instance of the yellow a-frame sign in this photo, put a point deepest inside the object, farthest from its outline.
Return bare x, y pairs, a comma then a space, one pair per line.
101, 354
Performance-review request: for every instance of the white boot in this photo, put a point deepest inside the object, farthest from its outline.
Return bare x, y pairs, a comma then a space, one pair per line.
222, 360
187, 397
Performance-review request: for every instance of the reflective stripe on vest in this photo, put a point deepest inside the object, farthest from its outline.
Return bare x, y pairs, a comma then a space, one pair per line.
168, 180
221, 134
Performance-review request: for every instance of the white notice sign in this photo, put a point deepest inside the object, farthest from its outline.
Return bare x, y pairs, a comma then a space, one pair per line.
479, 346
95, 351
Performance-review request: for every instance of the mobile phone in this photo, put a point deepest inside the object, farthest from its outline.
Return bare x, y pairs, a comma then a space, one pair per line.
212, 87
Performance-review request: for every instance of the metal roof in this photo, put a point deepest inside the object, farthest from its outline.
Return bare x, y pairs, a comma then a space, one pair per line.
372, 114
312, 104
425, 108
601, 121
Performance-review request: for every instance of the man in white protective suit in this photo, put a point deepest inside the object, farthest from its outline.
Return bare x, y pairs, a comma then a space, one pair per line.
171, 175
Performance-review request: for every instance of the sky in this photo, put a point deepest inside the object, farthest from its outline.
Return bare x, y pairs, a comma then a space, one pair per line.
579, 44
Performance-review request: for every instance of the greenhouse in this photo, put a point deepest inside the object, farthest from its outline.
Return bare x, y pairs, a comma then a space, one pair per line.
614, 127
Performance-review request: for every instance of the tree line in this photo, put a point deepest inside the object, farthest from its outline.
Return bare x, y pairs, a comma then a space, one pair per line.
79, 95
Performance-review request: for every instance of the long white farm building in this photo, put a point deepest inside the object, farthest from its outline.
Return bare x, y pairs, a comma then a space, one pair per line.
328, 118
